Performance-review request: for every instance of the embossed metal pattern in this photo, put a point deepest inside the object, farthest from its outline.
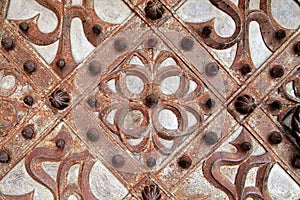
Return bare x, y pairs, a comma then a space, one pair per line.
150, 99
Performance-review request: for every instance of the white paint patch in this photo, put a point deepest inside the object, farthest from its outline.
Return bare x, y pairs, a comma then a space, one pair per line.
195, 11
114, 12
48, 52
104, 185
80, 46
258, 50
26, 9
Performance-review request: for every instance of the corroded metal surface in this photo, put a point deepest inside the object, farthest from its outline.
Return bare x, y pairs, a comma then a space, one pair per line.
150, 99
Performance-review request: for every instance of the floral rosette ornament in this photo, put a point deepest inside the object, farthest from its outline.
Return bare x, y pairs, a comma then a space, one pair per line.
151, 102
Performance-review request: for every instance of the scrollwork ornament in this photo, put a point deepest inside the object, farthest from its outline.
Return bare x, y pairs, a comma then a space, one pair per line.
289, 117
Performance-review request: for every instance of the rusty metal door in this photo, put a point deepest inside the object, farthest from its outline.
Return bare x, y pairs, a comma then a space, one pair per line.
150, 99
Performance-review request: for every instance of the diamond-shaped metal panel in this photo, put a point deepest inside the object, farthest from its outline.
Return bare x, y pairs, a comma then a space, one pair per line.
150, 99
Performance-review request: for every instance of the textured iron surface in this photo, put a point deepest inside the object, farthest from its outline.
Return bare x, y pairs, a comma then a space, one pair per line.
150, 99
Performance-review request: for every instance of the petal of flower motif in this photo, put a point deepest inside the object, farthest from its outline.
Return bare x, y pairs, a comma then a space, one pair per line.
292, 111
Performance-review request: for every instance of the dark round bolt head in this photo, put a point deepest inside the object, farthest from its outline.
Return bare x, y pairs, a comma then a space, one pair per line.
60, 99
7, 43
28, 100
117, 161
97, 29
151, 192
92, 134
187, 43
275, 105
185, 162
246, 146
277, 71
92, 102
60, 63
4, 157
210, 138
94, 69
245, 69
60, 143
120, 44
297, 48
280, 34
28, 132
29, 66
152, 42
150, 162
245, 104
210, 103
275, 138
24, 26
296, 162
211, 69
206, 31
151, 100
154, 10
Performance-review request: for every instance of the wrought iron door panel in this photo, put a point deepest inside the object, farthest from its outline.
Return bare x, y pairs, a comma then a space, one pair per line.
150, 99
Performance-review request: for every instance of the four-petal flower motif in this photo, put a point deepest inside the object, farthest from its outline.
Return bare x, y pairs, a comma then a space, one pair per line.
149, 103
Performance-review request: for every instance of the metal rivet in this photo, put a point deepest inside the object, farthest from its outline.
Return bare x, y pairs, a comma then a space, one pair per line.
297, 48
29, 66
210, 103
275, 105
296, 162
185, 161
210, 138
154, 10
244, 104
97, 29
245, 69
7, 43
151, 100
120, 44
246, 146
211, 69
24, 26
60, 143
280, 34
60, 99
152, 42
187, 43
151, 192
60, 63
206, 31
150, 162
92, 102
4, 157
94, 69
92, 134
275, 137
28, 100
277, 71
28, 132
117, 161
